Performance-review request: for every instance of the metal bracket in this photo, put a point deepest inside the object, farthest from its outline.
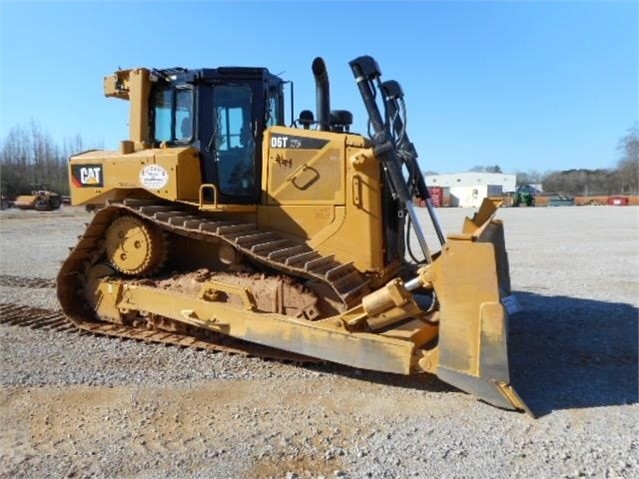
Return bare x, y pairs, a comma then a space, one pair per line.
211, 289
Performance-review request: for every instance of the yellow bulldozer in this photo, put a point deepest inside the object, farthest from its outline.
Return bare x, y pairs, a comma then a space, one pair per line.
216, 224
41, 198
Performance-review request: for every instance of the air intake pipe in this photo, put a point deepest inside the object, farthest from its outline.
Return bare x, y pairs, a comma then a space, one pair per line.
322, 94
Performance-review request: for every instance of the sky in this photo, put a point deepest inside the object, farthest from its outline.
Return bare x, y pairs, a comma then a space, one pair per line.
524, 85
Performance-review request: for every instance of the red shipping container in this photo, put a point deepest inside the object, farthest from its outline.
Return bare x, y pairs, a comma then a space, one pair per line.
618, 201
436, 195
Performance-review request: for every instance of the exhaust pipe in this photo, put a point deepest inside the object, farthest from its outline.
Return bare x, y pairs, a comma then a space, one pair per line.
322, 94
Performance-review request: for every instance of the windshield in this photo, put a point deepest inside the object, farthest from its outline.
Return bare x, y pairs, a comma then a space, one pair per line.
173, 115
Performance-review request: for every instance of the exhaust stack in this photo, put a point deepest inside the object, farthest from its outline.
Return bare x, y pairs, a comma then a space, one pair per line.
322, 94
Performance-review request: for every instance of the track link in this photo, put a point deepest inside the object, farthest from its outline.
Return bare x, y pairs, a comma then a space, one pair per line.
24, 282
34, 318
12, 314
281, 253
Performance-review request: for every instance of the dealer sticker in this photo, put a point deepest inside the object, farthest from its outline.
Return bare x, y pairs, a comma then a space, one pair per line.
154, 177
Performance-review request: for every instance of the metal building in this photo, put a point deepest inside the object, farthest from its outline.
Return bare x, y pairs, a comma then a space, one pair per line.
467, 190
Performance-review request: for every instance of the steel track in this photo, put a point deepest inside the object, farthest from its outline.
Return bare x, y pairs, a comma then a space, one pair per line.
24, 282
12, 314
284, 255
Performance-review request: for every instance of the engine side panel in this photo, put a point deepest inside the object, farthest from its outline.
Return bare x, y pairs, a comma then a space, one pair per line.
326, 188
171, 174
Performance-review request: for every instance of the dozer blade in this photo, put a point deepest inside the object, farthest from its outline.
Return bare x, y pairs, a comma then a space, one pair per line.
472, 283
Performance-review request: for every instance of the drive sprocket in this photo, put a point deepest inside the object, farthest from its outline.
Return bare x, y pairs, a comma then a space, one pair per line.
135, 247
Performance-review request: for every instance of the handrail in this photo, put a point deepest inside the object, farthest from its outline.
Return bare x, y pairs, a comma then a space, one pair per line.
204, 187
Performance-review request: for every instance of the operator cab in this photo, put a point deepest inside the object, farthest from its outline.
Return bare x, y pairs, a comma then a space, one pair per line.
222, 113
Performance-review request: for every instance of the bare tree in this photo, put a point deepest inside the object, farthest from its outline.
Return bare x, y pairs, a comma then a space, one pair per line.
29, 157
583, 182
530, 177
486, 169
628, 164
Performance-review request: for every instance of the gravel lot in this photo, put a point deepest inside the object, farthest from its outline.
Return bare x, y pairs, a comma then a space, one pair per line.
78, 406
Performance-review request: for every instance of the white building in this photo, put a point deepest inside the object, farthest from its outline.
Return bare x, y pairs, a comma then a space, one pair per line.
468, 189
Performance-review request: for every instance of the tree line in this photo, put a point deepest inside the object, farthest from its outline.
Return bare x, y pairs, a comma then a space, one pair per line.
622, 179
31, 159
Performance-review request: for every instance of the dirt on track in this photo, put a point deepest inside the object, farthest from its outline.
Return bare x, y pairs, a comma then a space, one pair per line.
77, 405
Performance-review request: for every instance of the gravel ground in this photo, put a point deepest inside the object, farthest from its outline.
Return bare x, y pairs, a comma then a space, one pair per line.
81, 406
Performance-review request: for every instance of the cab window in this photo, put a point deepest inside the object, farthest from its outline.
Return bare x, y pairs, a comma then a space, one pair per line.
231, 121
184, 115
274, 114
163, 114
234, 139
173, 115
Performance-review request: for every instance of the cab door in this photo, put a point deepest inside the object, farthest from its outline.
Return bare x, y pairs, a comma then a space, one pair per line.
230, 146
